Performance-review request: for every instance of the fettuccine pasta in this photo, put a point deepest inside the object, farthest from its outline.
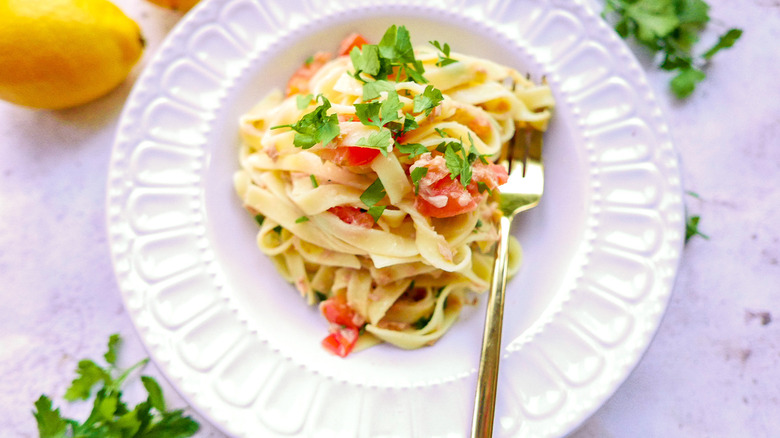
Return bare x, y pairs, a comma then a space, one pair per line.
373, 181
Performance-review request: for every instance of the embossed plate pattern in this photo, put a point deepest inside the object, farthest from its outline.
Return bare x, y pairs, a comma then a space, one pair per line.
601, 250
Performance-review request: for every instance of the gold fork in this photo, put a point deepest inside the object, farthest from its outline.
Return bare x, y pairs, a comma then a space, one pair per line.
523, 159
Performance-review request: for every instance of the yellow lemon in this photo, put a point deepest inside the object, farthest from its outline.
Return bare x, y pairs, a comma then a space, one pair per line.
177, 5
63, 53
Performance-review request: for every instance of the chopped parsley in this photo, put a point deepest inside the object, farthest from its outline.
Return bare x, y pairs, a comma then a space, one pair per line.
382, 140
458, 161
417, 175
427, 101
379, 113
302, 219
671, 27
692, 228
314, 182
374, 89
412, 149
392, 59
315, 127
259, 218
371, 196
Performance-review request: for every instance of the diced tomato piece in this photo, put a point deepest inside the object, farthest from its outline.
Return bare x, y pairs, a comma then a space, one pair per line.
441, 196
350, 155
357, 156
353, 216
351, 41
337, 311
299, 81
341, 341
345, 326
459, 199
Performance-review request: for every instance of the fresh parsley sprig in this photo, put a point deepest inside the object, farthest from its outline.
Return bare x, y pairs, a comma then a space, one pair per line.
111, 417
671, 27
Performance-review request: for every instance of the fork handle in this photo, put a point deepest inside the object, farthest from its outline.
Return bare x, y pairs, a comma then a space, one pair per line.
487, 377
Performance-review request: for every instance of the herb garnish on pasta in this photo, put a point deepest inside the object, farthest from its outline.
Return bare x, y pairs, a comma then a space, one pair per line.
372, 180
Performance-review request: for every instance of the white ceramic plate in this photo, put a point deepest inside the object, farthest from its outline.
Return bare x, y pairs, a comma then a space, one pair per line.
239, 343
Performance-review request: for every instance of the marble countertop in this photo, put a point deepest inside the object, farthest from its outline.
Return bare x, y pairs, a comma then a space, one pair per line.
713, 369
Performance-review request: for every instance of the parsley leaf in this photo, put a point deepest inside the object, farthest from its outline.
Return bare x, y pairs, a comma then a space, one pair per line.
458, 161
412, 149
302, 101
376, 211
314, 182
365, 60
379, 113
684, 83
692, 228
445, 50
396, 50
302, 219
417, 175
392, 57
110, 416
373, 194
113, 344
315, 127
372, 90
382, 140
428, 100
89, 374
671, 27
725, 41
50, 422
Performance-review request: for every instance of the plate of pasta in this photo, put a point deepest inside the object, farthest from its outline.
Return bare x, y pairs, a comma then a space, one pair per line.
302, 213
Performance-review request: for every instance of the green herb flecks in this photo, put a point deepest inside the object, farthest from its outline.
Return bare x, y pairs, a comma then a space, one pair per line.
671, 27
